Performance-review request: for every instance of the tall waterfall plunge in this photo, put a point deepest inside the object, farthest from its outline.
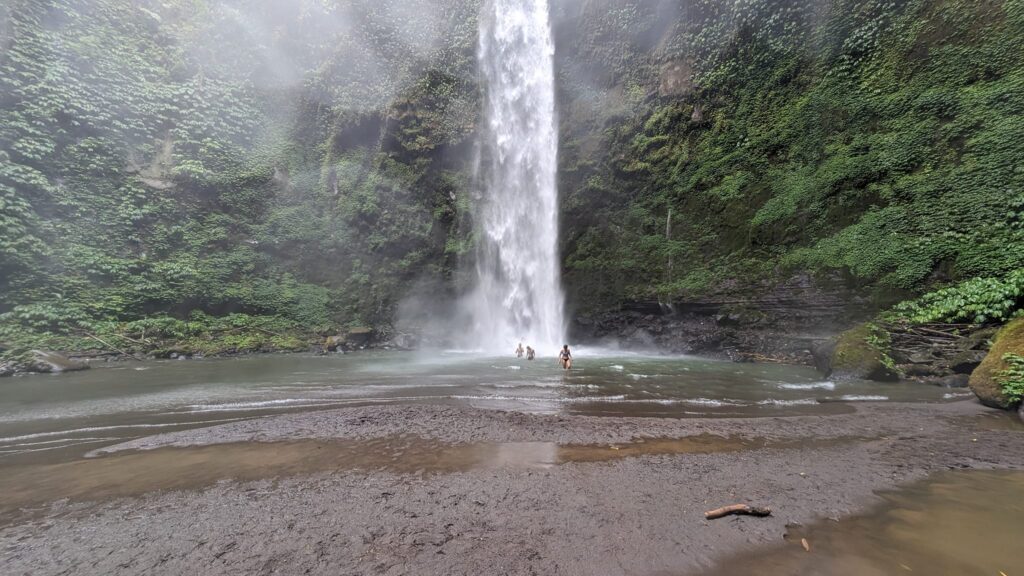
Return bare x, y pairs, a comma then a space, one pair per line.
519, 296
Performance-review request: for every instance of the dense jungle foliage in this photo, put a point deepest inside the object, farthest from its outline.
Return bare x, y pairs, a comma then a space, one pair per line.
247, 174
175, 164
876, 139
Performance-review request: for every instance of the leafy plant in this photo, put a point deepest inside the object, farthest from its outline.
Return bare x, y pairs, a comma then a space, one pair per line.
880, 339
1011, 380
977, 300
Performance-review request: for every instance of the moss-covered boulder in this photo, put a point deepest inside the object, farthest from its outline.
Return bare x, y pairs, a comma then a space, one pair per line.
985, 380
861, 354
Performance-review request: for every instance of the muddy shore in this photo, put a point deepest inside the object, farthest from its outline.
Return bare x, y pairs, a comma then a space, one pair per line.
637, 514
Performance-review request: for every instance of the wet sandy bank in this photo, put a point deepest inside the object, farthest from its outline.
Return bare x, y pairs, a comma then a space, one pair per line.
638, 514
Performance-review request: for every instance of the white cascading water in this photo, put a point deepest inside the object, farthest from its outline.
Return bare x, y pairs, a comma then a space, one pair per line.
519, 296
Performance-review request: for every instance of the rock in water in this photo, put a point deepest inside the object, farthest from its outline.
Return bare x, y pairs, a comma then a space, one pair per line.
6, 369
1009, 340
822, 353
47, 362
856, 358
334, 343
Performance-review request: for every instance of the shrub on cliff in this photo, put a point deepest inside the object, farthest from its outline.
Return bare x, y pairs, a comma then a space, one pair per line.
977, 300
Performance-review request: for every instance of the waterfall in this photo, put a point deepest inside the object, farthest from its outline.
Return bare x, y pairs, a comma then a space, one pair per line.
518, 296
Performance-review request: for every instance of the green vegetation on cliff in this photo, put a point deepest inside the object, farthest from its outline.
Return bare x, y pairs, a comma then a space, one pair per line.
291, 161
300, 167
874, 139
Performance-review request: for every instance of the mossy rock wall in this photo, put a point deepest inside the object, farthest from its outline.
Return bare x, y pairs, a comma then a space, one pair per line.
855, 358
983, 380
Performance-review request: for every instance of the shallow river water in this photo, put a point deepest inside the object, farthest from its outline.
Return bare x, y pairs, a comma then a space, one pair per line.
951, 524
51, 418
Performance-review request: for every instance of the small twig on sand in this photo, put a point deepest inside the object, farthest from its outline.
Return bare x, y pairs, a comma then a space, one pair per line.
737, 509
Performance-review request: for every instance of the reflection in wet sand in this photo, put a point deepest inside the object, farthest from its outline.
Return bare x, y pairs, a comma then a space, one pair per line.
133, 473
956, 523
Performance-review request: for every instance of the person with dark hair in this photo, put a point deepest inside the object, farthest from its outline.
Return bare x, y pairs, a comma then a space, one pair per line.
565, 357
530, 353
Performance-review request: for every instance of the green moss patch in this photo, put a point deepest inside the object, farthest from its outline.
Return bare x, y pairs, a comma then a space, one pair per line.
997, 381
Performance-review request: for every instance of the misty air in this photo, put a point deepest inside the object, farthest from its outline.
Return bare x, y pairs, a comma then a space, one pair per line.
474, 287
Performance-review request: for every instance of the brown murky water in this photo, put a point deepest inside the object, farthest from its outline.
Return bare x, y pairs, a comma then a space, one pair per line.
133, 473
953, 524
999, 420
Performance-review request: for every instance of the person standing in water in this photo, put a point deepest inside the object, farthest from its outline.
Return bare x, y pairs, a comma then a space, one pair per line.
530, 353
519, 350
565, 357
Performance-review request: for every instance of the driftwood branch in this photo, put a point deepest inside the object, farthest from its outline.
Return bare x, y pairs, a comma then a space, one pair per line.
142, 342
112, 347
737, 509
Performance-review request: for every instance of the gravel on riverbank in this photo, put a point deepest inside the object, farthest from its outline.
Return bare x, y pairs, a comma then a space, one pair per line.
641, 515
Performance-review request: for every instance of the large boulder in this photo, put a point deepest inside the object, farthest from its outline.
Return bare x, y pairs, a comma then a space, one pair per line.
51, 362
984, 380
6, 369
859, 356
359, 337
822, 353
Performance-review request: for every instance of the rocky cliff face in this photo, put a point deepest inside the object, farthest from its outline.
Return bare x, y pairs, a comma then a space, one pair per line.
310, 163
792, 321
717, 148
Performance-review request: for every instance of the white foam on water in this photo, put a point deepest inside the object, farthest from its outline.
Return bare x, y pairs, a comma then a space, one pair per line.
561, 400
66, 445
710, 402
862, 397
810, 386
257, 403
617, 367
59, 441
778, 402
115, 427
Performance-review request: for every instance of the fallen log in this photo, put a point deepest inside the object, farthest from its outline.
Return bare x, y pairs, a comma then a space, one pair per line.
737, 509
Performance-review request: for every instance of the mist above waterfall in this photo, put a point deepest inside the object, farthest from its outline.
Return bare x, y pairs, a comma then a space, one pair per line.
518, 296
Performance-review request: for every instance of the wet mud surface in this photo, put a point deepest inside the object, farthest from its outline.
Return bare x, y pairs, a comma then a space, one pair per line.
131, 473
951, 524
478, 492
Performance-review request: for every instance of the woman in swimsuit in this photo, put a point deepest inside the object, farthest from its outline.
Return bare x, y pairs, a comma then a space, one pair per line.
565, 357
519, 350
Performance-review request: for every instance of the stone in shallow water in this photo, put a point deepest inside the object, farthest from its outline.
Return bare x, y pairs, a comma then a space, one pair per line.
51, 362
856, 358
